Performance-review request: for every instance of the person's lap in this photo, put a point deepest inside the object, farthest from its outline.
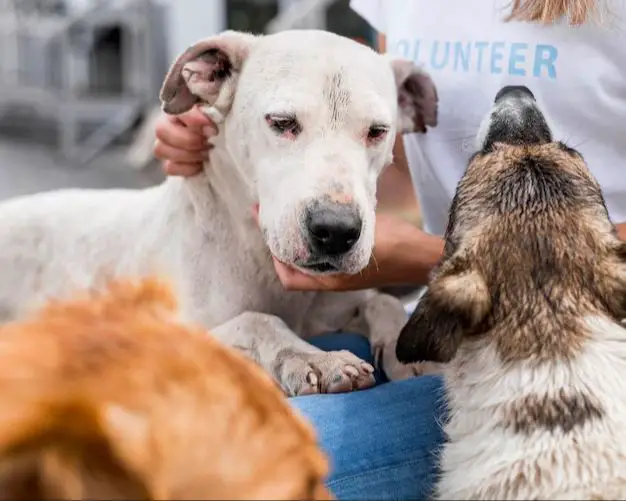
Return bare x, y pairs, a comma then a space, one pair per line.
382, 442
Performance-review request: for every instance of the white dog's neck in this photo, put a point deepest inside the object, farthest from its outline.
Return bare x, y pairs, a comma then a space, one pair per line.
224, 188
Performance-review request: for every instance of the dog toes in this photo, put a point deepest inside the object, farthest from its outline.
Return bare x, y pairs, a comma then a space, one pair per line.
341, 371
310, 386
327, 372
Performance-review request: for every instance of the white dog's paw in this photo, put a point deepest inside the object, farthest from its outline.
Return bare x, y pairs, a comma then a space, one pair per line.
386, 360
322, 372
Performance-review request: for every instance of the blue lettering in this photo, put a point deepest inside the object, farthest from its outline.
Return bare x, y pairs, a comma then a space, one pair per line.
462, 56
545, 57
496, 57
433, 55
481, 46
517, 56
402, 48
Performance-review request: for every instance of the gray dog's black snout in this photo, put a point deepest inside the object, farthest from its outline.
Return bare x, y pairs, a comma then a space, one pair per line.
515, 91
516, 119
332, 229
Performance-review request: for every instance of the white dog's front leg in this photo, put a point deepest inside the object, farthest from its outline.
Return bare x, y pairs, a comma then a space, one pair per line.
378, 317
297, 366
383, 317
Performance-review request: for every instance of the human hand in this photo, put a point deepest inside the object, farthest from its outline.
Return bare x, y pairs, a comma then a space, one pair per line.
182, 142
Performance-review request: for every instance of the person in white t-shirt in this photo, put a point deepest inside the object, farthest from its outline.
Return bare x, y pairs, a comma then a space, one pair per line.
572, 55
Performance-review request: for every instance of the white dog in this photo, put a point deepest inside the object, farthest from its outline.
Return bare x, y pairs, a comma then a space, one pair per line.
307, 123
525, 306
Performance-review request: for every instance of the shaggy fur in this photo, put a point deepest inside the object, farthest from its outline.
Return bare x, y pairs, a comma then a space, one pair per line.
108, 396
525, 306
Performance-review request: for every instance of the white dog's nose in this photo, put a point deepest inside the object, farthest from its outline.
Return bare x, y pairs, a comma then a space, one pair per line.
332, 229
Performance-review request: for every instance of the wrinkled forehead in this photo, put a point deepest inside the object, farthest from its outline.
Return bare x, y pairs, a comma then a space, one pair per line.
309, 72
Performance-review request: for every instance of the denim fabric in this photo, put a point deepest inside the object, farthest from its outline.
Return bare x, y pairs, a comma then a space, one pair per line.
382, 442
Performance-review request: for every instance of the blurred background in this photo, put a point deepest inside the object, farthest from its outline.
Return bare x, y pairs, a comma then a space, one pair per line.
79, 82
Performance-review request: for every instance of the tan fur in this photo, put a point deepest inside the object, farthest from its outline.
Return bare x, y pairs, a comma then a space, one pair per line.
526, 306
110, 397
583, 274
582, 242
566, 411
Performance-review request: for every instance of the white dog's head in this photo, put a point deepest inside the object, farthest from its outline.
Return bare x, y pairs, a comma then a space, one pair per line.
311, 117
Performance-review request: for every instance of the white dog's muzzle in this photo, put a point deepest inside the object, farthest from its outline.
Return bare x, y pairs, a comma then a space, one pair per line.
330, 231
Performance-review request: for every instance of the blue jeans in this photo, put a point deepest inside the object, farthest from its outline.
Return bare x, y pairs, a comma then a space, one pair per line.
382, 442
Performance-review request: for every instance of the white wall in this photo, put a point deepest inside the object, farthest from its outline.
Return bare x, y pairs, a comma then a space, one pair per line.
192, 20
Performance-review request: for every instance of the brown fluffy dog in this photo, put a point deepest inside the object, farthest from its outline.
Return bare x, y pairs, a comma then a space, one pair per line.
109, 397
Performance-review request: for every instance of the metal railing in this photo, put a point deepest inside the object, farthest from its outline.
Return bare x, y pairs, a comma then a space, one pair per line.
45, 51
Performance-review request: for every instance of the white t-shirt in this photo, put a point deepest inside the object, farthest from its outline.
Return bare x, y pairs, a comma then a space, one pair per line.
578, 76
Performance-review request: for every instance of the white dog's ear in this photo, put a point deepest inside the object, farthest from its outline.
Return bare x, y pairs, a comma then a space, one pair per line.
417, 97
206, 72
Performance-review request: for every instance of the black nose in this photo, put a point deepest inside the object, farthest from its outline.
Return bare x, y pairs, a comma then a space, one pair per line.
332, 229
517, 91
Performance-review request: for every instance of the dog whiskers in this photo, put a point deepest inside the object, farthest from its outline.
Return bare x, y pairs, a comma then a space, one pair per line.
376, 263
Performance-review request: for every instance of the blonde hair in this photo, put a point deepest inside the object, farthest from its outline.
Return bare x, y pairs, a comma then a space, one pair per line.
577, 12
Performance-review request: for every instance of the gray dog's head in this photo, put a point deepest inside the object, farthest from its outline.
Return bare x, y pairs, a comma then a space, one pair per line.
310, 118
530, 251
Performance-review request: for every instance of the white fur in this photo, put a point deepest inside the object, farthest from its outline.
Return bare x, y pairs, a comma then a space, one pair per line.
200, 231
482, 459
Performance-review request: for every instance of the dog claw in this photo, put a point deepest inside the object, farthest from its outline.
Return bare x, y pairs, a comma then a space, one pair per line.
312, 379
327, 372
369, 368
353, 372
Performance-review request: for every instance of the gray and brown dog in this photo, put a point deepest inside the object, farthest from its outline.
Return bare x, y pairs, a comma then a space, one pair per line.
526, 307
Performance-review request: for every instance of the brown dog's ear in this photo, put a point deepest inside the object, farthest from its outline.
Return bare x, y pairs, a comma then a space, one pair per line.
206, 72
417, 97
452, 304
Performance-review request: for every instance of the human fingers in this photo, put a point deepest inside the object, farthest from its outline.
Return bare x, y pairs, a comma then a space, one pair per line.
194, 118
294, 280
173, 132
181, 169
170, 153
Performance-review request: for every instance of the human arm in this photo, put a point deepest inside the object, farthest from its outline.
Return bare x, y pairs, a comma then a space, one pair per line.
621, 230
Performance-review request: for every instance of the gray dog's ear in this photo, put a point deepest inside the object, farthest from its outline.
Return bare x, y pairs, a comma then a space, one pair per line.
206, 72
452, 305
417, 97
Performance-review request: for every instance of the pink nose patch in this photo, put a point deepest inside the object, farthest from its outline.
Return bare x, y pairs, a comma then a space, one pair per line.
341, 198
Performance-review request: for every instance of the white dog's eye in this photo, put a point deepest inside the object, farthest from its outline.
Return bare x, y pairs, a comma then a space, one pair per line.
284, 125
376, 133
